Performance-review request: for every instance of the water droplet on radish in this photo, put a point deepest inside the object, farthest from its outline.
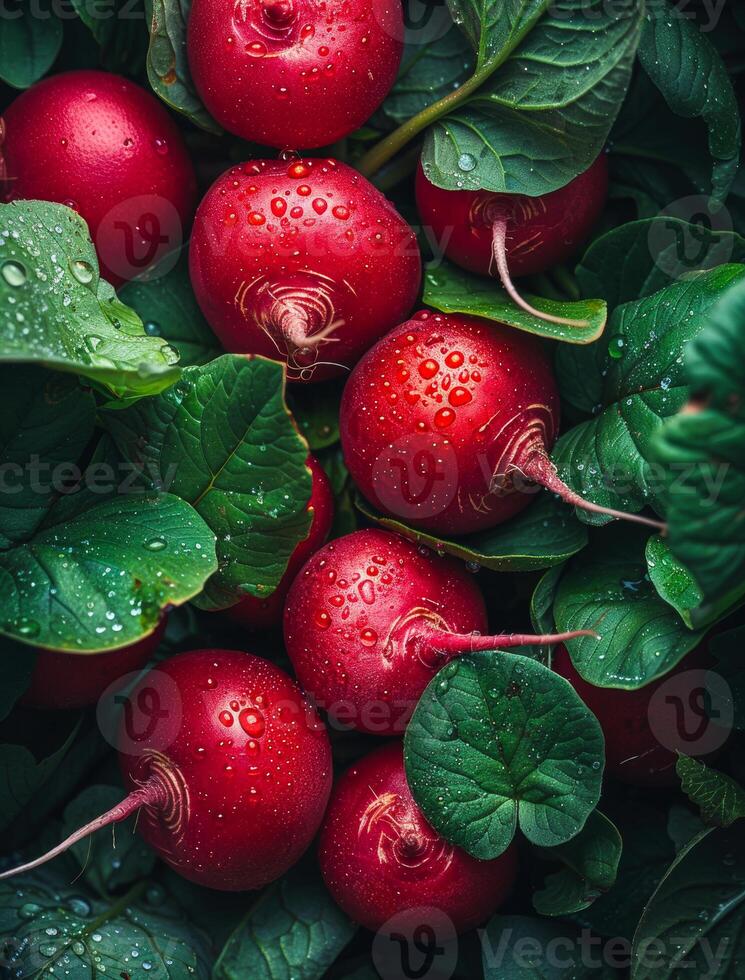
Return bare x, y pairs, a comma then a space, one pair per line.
252, 722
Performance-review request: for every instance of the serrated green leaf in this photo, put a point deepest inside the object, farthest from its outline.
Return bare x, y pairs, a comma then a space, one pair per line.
62, 315
294, 932
609, 459
720, 798
496, 741
694, 923
168, 309
543, 535
590, 867
607, 588
689, 72
102, 579
453, 290
223, 440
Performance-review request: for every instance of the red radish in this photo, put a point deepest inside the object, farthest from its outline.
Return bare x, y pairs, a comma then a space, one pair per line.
262, 614
447, 421
294, 73
371, 619
230, 765
109, 150
512, 234
379, 857
303, 261
75, 680
644, 729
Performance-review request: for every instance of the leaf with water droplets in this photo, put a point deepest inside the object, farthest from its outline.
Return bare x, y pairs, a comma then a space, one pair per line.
720, 798
496, 741
453, 290
590, 867
90, 582
224, 440
637, 372
56, 311
607, 588
54, 929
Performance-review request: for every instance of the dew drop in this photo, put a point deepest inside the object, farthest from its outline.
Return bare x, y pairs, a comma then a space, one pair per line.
13, 273
466, 162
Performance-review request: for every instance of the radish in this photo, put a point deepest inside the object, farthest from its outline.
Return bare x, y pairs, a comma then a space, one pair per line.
370, 619
230, 765
514, 234
294, 73
448, 421
303, 261
109, 150
75, 680
262, 614
379, 857
644, 730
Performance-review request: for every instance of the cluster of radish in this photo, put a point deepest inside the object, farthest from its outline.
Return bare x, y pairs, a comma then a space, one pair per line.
304, 261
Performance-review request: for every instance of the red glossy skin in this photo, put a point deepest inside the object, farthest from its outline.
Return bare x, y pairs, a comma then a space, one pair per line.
542, 231
438, 408
246, 775
264, 614
379, 857
286, 250
74, 680
294, 74
350, 618
104, 146
633, 751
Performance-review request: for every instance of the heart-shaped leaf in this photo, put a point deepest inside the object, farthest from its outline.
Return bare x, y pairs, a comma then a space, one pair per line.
453, 290
55, 311
102, 579
607, 589
641, 358
590, 867
543, 535
224, 440
496, 741
297, 931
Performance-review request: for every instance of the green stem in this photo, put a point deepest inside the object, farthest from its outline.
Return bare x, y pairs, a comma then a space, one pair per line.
382, 152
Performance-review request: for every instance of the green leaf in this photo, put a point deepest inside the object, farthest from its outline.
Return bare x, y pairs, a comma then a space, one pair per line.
30, 40
608, 459
117, 27
55, 311
694, 923
673, 581
544, 116
543, 535
23, 772
102, 580
167, 62
107, 863
702, 456
428, 72
46, 424
607, 588
223, 440
689, 72
295, 931
496, 741
51, 929
453, 290
641, 257
493, 28
542, 610
590, 867
168, 308
720, 798
517, 947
